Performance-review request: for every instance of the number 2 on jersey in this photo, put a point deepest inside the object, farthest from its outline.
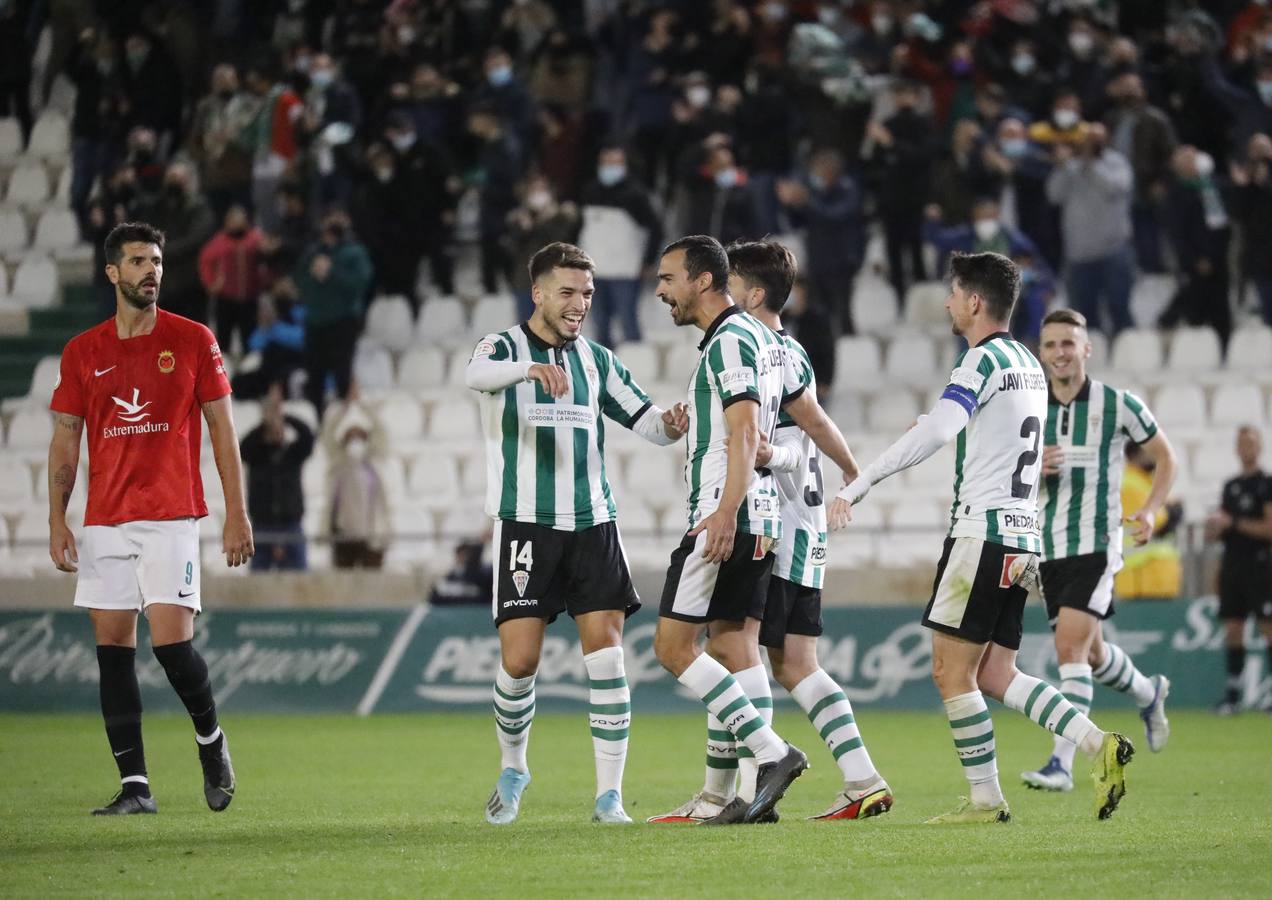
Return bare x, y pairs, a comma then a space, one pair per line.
1021, 489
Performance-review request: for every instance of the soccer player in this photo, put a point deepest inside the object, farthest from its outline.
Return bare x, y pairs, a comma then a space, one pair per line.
139, 381
1244, 524
718, 577
543, 389
996, 405
761, 274
1084, 441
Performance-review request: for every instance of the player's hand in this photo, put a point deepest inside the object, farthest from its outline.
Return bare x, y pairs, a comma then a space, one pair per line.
676, 421
1052, 459
1142, 526
552, 378
763, 451
62, 548
236, 541
720, 528
1216, 524
838, 514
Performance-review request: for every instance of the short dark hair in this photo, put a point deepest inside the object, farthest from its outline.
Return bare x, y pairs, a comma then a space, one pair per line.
992, 275
1065, 317
703, 253
559, 255
130, 233
765, 264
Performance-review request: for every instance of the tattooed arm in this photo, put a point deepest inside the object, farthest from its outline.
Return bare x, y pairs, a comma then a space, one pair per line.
236, 541
64, 452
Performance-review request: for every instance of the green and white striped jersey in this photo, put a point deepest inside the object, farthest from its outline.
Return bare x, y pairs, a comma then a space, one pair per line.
742, 360
998, 456
801, 553
545, 456
1082, 505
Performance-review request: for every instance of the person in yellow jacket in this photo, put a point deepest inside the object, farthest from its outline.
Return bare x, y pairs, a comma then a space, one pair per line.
1154, 569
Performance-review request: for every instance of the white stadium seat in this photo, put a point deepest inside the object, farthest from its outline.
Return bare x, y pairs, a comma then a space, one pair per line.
56, 231
925, 307
35, 284
1214, 462
1194, 350
1137, 350
461, 522
31, 428
402, 417
389, 323
857, 362
454, 418
1236, 403
494, 313
50, 136
874, 305
62, 194
433, 480
14, 236
1250, 349
10, 138
910, 360
42, 381
28, 186
1099, 351
641, 360
16, 494
422, 368
892, 412
303, 410
1180, 407
442, 321
372, 367
247, 415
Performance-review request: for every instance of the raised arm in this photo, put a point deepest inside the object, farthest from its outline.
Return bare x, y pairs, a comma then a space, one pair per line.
64, 451
236, 542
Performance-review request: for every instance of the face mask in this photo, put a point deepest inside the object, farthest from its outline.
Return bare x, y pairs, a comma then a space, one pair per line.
774, 12
406, 34
1064, 119
986, 229
698, 96
1080, 42
1023, 64
1014, 148
538, 200
383, 175
137, 58
817, 182
105, 66
322, 78
303, 63
829, 16
403, 142
611, 174
1205, 165
175, 191
961, 67
881, 24
499, 75
356, 448
1265, 92
726, 178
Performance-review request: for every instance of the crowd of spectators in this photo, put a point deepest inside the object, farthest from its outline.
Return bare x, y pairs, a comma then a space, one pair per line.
306, 155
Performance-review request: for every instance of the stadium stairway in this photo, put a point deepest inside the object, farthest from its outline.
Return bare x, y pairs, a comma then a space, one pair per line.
48, 332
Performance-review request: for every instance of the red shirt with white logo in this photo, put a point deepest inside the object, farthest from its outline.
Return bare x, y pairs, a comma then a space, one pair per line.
140, 401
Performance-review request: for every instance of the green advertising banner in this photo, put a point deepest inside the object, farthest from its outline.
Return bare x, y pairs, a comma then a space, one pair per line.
424, 659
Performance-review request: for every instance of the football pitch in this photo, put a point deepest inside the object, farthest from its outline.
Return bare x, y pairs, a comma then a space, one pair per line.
392, 805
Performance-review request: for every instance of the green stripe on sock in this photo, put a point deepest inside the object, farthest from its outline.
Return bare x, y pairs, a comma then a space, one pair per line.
974, 741
1078, 700
610, 734
835, 723
732, 708
515, 729
1083, 679
725, 683
609, 709
713, 735
1033, 698
974, 719
744, 753
750, 728
988, 757
716, 762
606, 684
512, 698
1065, 720
828, 700
513, 714
847, 747
762, 702
1049, 709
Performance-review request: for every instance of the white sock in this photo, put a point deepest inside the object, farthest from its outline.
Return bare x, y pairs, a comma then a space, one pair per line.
1045, 705
712, 683
609, 715
827, 707
514, 710
973, 732
722, 760
1118, 672
755, 684
1075, 683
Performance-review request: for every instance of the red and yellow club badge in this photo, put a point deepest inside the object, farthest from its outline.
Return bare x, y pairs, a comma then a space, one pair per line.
167, 361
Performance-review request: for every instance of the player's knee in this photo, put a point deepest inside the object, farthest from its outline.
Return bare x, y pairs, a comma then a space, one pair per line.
674, 656
520, 665
1071, 651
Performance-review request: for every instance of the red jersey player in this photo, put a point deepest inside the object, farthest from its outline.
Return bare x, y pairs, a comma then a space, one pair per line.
139, 382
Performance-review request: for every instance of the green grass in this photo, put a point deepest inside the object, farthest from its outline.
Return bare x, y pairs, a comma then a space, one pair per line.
334, 806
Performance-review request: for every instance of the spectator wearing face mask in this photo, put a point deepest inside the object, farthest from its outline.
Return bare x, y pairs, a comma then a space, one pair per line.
1081, 67
1093, 188
332, 118
505, 95
498, 169
1252, 208
720, 199
99, 122
186, 219
622, 231
986, 232
273, 453
1144, 135
653, 93
1249, 108
1065, 125
1021, 168
1199, 225
232, 272
357, 503
332, 278
539, 220
154, 87
1027, 82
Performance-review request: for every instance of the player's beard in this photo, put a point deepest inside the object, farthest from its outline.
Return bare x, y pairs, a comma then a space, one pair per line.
136, 297
558, 329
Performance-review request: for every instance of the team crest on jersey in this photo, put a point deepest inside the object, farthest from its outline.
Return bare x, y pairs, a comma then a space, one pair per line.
520, 579
167, 361
484, 349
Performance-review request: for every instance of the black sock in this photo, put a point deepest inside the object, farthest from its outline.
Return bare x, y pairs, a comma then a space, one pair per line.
1235, 657
121, 711
189, 676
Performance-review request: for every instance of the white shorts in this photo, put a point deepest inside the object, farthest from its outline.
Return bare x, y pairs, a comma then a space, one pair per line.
135, 564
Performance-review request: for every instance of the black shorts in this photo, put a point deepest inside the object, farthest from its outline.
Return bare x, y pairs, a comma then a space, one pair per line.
1245, 589
1082, 582
977, 593
734, 591
541, 572
790, 609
